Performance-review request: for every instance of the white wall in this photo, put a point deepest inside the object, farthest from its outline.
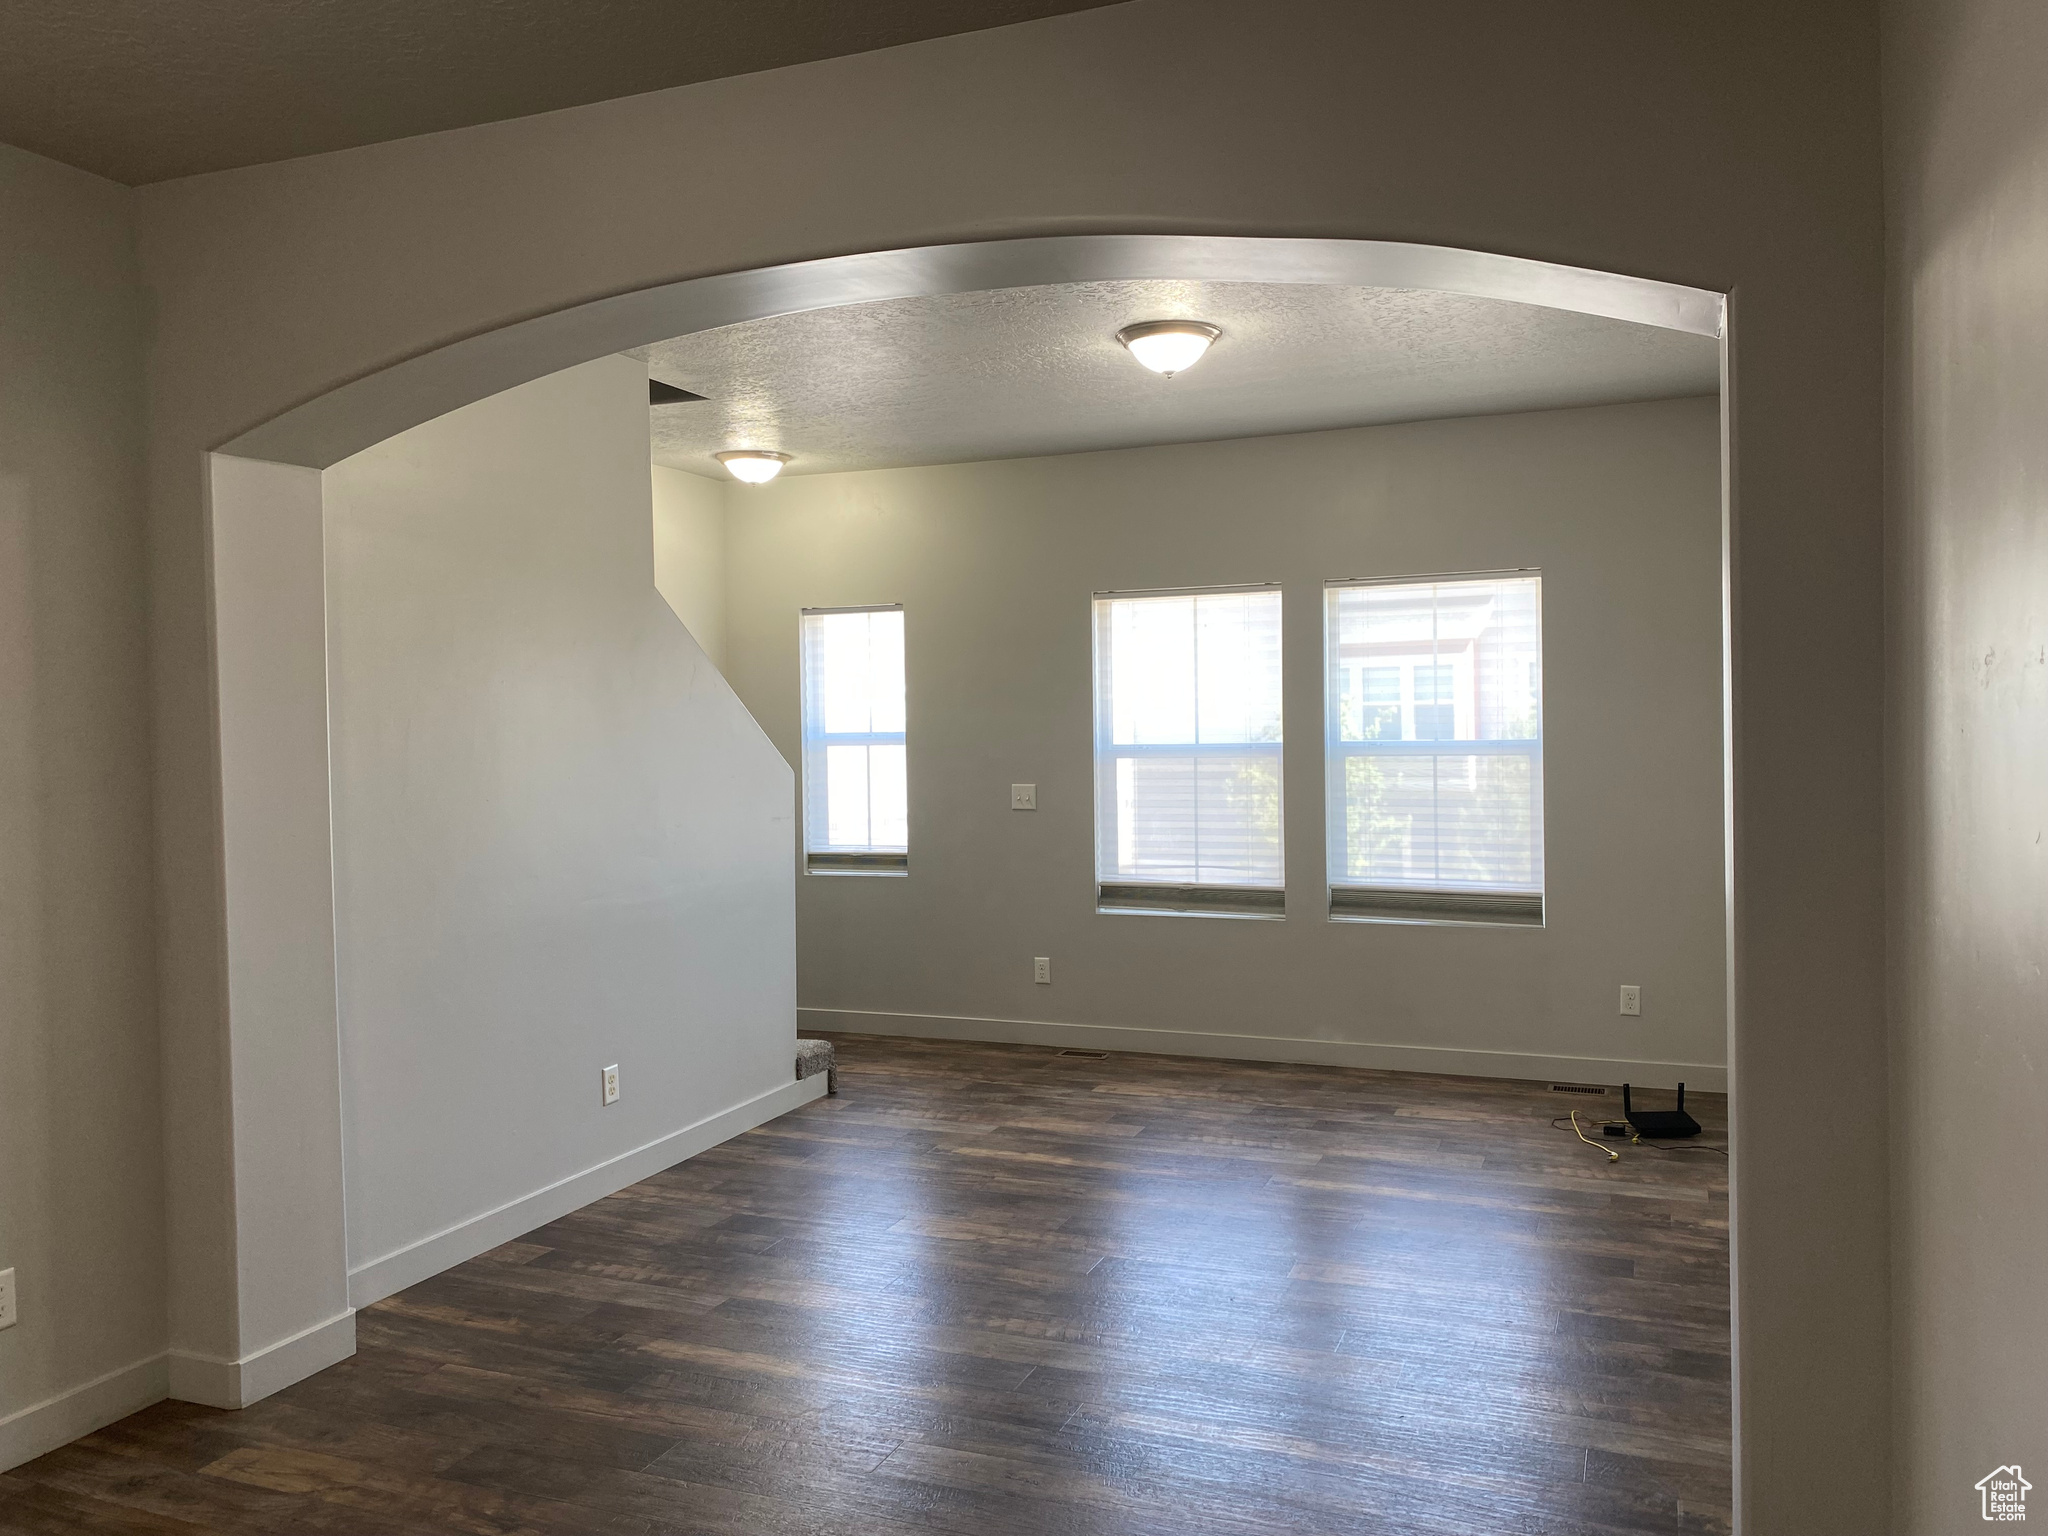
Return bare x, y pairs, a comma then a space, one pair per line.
689, 554
1620, 508
560, 841
1968, 762
81, 1189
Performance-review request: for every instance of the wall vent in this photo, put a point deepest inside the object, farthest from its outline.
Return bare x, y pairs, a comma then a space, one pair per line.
1577, 1088
1088, 1055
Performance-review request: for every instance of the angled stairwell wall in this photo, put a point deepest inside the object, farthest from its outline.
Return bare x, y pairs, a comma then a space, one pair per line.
561, 842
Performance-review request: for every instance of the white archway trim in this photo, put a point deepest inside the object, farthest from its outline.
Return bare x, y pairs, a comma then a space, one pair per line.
288, 1310
353, 417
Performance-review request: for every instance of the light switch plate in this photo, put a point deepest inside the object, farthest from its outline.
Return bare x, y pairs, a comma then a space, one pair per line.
1023, 797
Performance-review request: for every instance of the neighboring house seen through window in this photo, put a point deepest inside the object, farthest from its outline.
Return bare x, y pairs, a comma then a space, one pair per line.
856, 799
1188, 751
1435, 748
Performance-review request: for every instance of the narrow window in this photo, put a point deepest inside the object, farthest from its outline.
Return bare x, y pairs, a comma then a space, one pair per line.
1187, 752
1435, 740
856, 797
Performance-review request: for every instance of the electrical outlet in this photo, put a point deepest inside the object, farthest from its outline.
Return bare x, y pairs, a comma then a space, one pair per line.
1041, 970
611, 1083
1023, 797
7, 1316
1632, 1001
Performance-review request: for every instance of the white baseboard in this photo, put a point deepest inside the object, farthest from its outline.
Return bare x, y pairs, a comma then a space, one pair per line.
480, 1234
219, 1383
1442, 1060
41, 1427
195, 1378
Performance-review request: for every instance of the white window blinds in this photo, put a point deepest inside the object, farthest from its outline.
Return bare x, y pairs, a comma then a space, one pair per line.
1187, 751
1435, 742
856, 801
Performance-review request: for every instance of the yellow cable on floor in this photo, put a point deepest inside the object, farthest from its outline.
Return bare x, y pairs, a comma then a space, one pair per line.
1612, 1155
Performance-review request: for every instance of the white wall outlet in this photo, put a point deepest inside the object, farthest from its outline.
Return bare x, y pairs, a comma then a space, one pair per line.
1041, 970
1023, 797
7, 1314
1632, 1001
611, 1083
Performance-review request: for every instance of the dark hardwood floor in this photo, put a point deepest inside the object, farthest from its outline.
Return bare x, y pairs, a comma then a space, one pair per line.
996, 1291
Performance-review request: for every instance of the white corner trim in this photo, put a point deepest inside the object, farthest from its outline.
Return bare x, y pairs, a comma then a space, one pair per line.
430, 1255
219, 1383
1442, 1060
41, 1427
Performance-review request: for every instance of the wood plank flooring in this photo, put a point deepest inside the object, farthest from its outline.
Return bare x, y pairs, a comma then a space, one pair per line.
998, 1291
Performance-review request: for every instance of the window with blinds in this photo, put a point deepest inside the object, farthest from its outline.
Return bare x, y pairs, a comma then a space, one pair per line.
856, 796
1187, 752
1434, 728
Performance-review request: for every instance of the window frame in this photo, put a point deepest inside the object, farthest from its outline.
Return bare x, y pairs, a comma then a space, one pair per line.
1141, 898
837, 863
1446, 903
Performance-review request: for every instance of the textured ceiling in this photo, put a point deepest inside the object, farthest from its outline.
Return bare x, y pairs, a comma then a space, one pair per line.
1033, 371
142, 90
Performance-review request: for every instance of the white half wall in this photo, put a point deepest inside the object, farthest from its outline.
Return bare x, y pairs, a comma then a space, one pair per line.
995, 563
561, 842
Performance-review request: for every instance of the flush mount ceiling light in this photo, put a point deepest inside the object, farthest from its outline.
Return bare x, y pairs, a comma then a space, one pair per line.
756, 466
1168, 346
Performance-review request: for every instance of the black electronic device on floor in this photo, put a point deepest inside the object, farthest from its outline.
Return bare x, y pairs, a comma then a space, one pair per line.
1660, 1122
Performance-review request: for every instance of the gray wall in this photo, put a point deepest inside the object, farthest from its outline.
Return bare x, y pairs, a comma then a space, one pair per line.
689, 553
1968, 546
1620, 508
81, 1196
560, 842
1733, 147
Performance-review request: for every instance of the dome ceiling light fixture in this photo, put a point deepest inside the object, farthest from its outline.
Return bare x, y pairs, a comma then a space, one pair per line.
1168, 346
756, 466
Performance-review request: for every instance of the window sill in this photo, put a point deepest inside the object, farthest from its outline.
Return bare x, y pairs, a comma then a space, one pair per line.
1142, 900
888, 865
1456, 909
